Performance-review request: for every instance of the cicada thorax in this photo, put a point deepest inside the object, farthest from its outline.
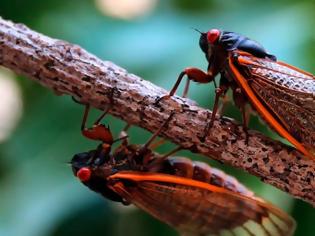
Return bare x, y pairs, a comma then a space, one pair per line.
286, 92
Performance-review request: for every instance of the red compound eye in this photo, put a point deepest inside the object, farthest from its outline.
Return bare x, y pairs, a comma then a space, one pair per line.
213, 35
84, 174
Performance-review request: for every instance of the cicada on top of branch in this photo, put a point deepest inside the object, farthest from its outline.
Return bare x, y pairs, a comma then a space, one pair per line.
188, 195
283, 95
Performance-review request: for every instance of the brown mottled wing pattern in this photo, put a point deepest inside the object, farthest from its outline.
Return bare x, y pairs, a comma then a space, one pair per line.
288, 93
195, 210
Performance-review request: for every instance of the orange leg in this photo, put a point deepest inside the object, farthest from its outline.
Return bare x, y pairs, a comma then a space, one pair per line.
199, 76
193, 74
97, 131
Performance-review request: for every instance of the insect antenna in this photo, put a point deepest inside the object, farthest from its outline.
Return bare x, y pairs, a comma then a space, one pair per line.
195, 29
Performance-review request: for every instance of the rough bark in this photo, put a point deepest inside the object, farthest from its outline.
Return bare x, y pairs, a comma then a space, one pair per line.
69, 69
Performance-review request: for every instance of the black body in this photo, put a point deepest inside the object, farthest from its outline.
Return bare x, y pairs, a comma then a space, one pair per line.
125, 157
96, 182
230, 41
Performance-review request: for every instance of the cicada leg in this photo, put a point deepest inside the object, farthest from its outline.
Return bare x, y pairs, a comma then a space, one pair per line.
241, 101
156, 133
158, 143
156, 163
86, 114
151, 145
193, 74
186, 88
218, 92
97, 131
224, 101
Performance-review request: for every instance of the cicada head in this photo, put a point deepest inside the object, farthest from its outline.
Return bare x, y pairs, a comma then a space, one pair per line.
93, 168
209, 41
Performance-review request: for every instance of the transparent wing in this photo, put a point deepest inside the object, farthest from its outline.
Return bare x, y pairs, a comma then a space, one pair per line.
198, 208
288, 92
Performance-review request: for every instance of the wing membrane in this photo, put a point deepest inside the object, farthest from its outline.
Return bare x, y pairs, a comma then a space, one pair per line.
198, 208
289, 93
247, 65
297, 118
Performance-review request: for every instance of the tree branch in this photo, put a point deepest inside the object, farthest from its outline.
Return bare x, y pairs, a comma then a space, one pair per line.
68, 69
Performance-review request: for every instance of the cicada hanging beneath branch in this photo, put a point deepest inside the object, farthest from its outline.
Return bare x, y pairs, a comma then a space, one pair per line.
190, 196
284, 96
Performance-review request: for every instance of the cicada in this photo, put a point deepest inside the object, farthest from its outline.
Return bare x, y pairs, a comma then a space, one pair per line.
283, 95
188, 195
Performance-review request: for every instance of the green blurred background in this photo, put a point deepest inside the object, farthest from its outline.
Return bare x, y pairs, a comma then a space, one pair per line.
39, 132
